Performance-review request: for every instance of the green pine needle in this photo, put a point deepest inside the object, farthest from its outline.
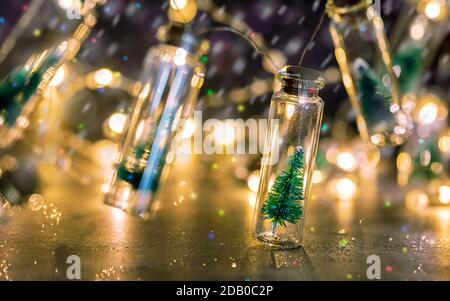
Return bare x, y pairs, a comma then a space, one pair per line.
375, 98
283, 201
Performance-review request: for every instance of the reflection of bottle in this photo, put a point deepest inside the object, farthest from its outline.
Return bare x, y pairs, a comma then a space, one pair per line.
291, 145
171, 81
362, 52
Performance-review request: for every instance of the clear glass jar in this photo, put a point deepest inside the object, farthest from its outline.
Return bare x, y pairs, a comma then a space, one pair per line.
171, 82
48, 34
290, 150
363, 54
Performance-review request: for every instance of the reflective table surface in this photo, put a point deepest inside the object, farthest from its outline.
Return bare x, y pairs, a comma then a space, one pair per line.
203, 230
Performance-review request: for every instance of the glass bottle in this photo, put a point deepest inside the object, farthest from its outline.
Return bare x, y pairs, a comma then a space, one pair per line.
364, 58
290, 150
21, 91
417, 35
48, 34
171, 82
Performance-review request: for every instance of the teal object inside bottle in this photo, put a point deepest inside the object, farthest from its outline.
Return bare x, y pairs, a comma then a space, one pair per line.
19, 86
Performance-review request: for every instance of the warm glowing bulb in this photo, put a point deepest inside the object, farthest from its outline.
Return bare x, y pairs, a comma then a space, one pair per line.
253, 181
317, 177
377, 139
36, 202
425, 158
117, 122
183, 11
444, 142
428, 113
65, 4
417, 31
346, 161
416, 200
103, 77
290, 110
274, 57
180, 57
345, 188
444, 194
331, 154
59, 76
433, 10
224, 133
178, 4
404, 162
188, 129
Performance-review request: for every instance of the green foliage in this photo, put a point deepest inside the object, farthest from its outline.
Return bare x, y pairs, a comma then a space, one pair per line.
410, 62
18, 87
132, 173
132, 177
374, 96
283, 203
132, 170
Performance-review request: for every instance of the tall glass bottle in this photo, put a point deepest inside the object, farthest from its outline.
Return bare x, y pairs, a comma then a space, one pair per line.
363, 54
171, 82
417, 35
47, 35
288, 162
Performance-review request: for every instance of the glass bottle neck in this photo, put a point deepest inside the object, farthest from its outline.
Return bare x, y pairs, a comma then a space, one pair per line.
344, 11
300, 82
299, 91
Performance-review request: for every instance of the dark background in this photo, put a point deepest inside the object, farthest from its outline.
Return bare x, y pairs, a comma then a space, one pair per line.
127, 29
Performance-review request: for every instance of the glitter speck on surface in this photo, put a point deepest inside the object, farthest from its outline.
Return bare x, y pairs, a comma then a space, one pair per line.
36, 202
343, 242
110, 273
389, 268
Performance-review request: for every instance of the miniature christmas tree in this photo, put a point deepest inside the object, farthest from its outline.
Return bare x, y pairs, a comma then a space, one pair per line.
283, 203
374, 96
132, 173
132, 168
19, 86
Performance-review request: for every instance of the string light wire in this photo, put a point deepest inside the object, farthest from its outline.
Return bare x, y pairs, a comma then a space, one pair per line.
311, 39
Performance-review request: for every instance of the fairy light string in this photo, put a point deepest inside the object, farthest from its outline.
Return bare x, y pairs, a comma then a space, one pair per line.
311, 39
